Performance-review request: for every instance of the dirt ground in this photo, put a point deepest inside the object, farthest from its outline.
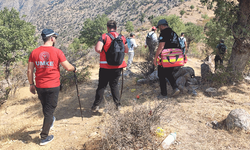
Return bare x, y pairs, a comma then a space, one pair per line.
21, 117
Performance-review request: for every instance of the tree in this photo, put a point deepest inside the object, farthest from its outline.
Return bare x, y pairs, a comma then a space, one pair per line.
192, 7
150, 18
141, 19
17, 38
174, 22
93, 29
215, 32
129, 26
235, 17
193, 33
182, 12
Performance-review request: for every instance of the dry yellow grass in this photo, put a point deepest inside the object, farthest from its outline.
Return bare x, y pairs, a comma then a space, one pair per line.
21, 117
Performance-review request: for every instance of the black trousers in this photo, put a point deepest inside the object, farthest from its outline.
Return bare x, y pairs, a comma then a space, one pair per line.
217, 59
49, 99
106, 76
164, 73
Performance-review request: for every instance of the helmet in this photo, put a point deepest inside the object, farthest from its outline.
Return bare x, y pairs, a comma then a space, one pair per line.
153, 28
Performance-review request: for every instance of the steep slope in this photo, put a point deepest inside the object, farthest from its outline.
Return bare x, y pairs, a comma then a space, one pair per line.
67, 17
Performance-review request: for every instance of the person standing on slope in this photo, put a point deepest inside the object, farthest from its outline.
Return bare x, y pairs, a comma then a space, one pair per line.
151, 41
221, 50
183, 43
46, 60
166, 41
131, 52
109, 73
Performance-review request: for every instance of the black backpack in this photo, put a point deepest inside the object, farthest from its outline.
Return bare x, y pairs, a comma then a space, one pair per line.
174, 40
149, 37
116, 51
222, 48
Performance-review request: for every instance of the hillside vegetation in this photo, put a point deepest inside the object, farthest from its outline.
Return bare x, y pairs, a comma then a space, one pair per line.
67, 16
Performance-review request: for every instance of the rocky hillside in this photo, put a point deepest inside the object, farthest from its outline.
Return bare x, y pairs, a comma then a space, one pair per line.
67, 16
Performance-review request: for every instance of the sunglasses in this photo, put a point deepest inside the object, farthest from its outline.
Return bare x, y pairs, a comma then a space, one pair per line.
55, 37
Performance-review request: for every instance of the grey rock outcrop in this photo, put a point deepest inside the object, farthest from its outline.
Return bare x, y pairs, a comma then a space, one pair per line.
185, 76
206, 72
238, 119
211, 91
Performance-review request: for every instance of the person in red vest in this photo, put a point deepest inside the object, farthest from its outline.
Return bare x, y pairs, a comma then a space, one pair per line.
46, 60
108, 73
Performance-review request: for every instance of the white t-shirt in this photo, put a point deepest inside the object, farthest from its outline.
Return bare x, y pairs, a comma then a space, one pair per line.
133, 45
154, 36
184, 39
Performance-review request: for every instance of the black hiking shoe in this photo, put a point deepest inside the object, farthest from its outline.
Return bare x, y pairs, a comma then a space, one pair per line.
118, 108
176, 92
162, 97
47, 140
95, 108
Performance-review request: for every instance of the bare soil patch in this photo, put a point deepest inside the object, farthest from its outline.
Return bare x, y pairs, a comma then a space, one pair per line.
21, 117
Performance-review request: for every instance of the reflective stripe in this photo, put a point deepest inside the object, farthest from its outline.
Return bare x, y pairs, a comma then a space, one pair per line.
173, 60
103, 62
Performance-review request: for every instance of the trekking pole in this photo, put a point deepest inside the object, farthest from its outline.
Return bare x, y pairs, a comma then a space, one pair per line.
78, 94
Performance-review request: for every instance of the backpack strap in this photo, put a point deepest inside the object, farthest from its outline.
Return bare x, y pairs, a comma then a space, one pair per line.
111, 36
119, 36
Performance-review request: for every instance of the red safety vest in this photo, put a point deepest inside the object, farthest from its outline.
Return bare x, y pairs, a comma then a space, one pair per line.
107, 42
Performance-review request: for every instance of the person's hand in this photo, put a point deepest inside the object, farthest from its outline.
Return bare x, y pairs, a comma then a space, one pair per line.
33, 89
155, 61
74, 67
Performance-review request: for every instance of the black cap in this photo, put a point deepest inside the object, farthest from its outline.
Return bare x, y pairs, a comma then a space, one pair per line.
131, 34
48, 32
161, 22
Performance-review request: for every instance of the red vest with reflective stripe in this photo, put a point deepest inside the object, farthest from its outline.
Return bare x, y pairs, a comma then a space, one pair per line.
107, 42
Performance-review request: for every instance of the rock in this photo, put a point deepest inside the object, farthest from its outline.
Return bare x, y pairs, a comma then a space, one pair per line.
192, 81
211, 91
142, 81
93, 134
206, 71
181, 81
153, 76
209, 124
182, 71
247, 79
238, 119
215, 124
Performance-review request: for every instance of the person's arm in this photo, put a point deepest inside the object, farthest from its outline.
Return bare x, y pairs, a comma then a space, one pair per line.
134, 43
98, 47
217, 50
126, 48
185, 44
30, 70
158, 51
66, 65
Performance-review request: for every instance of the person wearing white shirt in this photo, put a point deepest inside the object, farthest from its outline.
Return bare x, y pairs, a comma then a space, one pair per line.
183, 43
131, 52
151, 42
